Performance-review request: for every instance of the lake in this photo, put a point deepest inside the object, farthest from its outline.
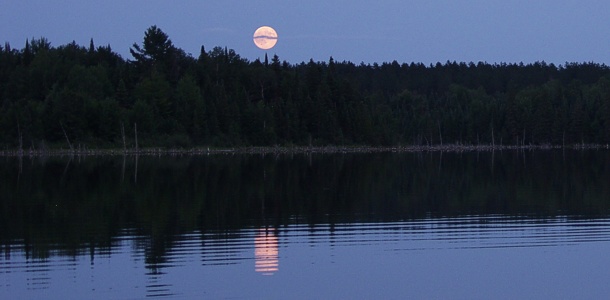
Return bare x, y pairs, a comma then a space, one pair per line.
433, 225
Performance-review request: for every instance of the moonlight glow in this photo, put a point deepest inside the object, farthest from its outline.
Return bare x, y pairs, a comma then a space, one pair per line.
265, 37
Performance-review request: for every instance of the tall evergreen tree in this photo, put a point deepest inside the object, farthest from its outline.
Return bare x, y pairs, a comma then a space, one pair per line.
156, 50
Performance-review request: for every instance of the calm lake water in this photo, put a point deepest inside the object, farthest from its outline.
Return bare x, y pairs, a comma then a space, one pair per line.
343, 226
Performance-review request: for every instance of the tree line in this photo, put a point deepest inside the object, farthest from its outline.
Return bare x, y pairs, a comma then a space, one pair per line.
77, 95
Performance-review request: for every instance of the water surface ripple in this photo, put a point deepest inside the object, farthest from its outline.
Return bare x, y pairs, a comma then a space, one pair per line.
279, 252
499, 225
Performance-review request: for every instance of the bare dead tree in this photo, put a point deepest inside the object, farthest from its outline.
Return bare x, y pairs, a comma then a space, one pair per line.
66, 135
439, 131
493, 142
20, 139
135, 129
123, 134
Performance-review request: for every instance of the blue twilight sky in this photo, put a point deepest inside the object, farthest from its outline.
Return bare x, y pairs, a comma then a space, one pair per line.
367, 31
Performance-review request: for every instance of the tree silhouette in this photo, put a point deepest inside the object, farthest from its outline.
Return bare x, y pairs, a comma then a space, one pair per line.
156, 49
222, 99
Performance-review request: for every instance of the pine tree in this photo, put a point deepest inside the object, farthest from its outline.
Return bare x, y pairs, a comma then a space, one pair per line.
156, 50
27, 53
91, 47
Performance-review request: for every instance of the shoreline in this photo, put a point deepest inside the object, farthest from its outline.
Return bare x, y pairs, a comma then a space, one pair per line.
288, 150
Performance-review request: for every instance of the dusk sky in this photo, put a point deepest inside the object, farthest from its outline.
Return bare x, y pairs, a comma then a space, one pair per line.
425, 31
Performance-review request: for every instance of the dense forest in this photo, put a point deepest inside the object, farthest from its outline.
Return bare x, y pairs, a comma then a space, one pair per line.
163, 97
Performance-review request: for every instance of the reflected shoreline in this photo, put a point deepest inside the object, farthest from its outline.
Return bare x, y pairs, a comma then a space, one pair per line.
54, 203
217, 218
294, 150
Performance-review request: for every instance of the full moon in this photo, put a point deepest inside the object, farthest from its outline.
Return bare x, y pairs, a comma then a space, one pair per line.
265, 37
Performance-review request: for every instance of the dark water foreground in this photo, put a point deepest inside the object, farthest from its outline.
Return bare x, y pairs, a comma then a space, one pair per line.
410, 225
